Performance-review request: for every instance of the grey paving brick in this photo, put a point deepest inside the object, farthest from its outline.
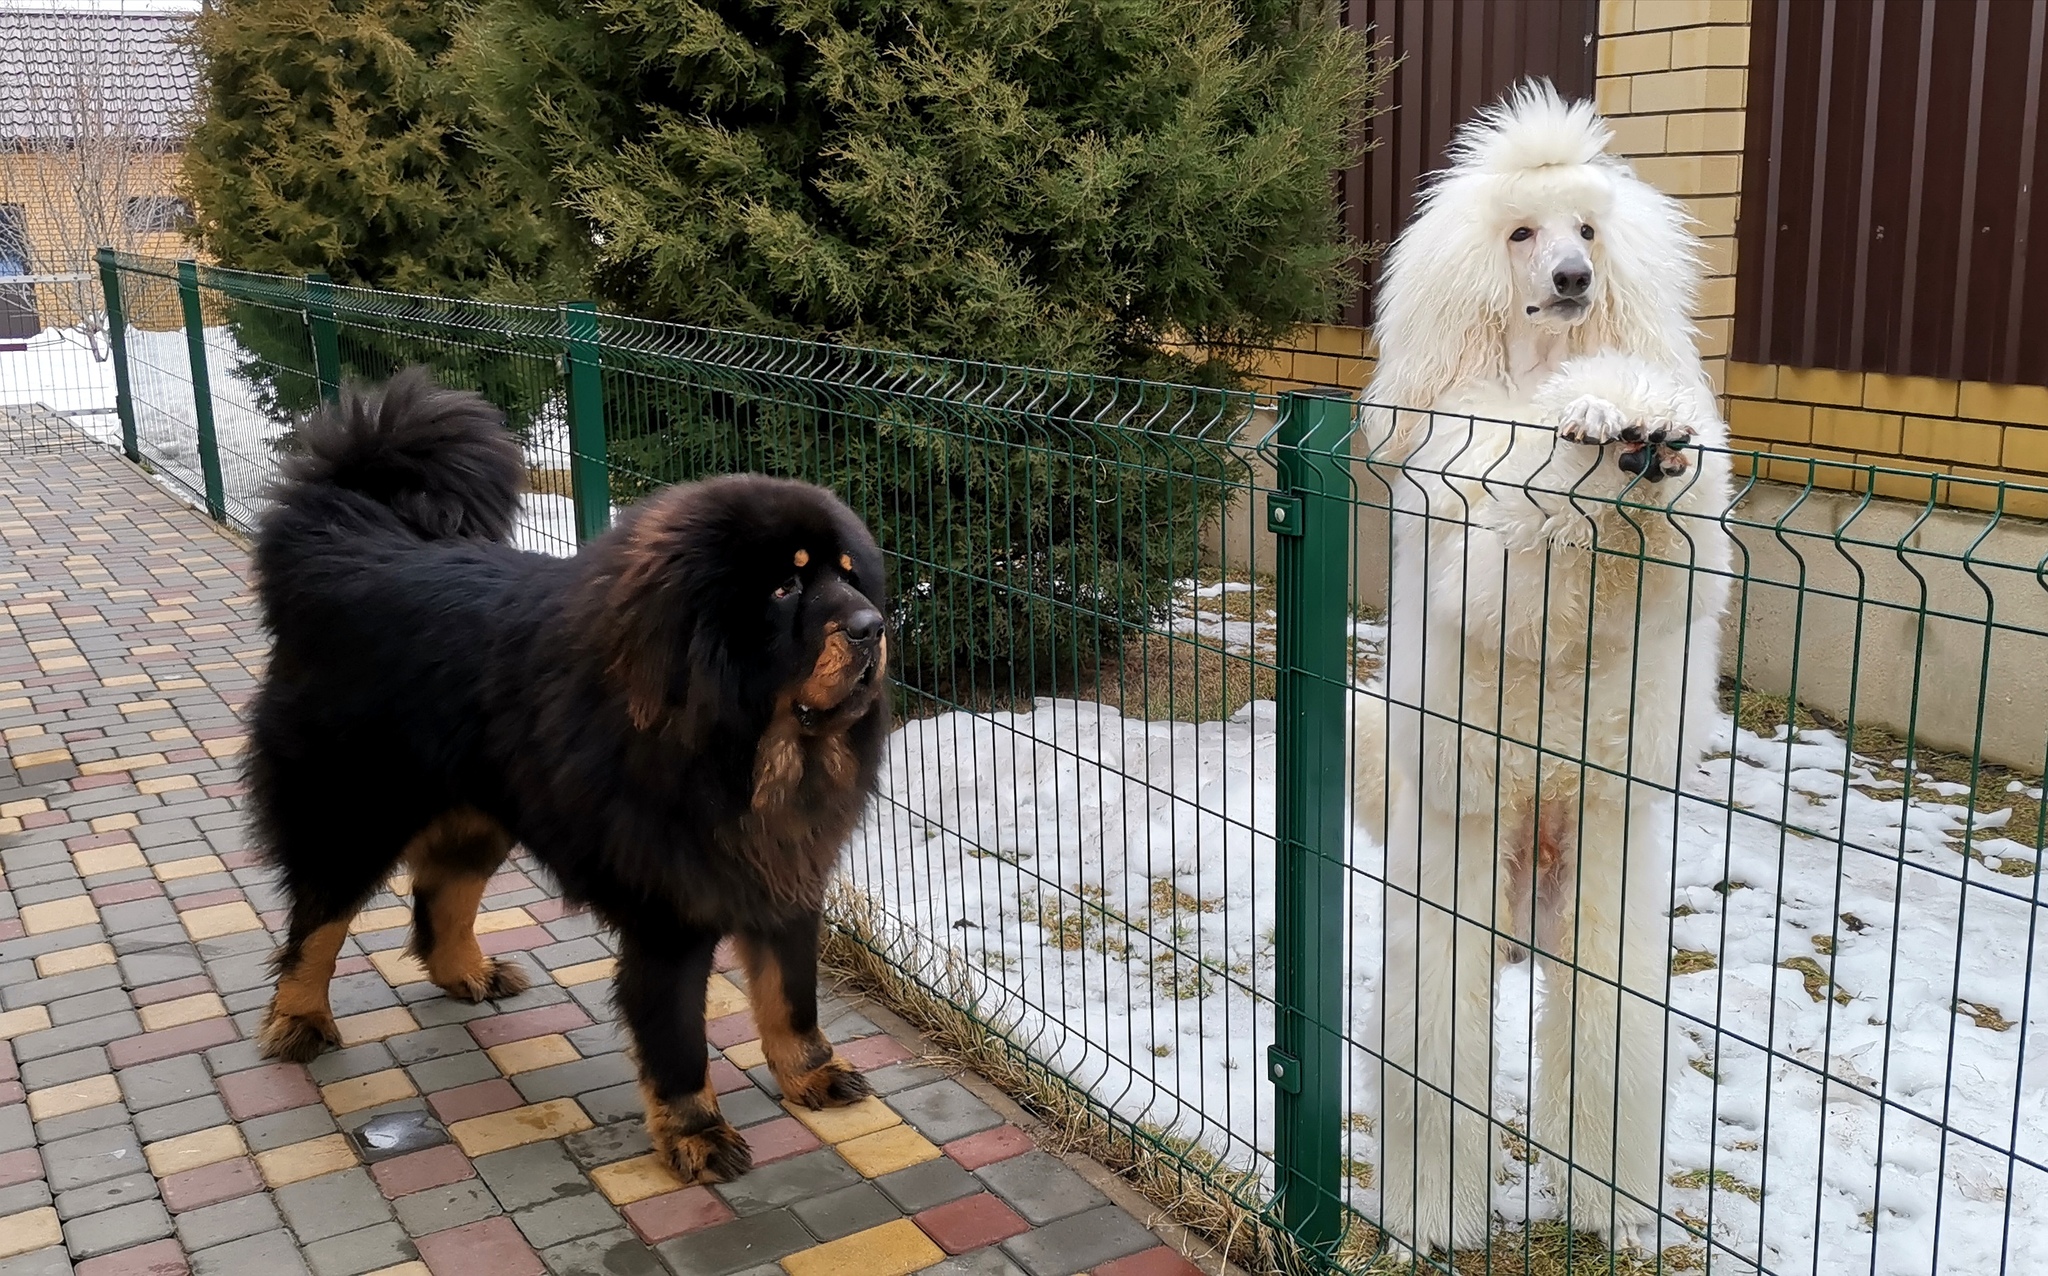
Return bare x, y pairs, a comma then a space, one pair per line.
172, 1120
137, 941
104, 1232
246, 1000
293, 1125
65, 994
161, 965
846, 1211
231, 974
902, 1076
580, 1077
570, 953
786, 1182
749, 1107
434, 1010
944, 1111
344, 1201
99, 1118
138, 914
228, 1221
552, 1222
234, 1056
574, 926
61, 1069
849, 1027
603, 1037
355, 1061
765, 1079
618, 1253
1079, 1242
359, 994
982, 1262
595, 997
1040, 1188
608, 1143
50, 941
528, 1175
367, 1250
23, 1196
453, 1070
450, 1205
16, 1130
92, 1158
430, 1043
167, 1081
54, 882
363, 1116
736, 1246
76, 1036
271, 1254
125, 1190
613, 1103
43, 1262
932, 1183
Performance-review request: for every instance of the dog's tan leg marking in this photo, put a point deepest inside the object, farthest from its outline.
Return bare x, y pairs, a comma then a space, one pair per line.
803, 1062
452, 861
301, 1022
693, 1137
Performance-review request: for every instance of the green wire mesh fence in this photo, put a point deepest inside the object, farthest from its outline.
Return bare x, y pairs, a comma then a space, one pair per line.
1115, 858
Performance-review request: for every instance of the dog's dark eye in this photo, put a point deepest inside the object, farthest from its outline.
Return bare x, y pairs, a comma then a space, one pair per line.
794, 585
1521, 233
1585, 232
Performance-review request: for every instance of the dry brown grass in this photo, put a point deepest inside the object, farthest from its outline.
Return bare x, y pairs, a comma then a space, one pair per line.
548, 482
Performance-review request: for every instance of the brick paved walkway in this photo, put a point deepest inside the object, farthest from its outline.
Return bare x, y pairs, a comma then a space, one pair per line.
140, 1133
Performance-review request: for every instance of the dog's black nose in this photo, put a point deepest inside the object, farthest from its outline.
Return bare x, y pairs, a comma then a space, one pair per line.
1572, 281
864, 625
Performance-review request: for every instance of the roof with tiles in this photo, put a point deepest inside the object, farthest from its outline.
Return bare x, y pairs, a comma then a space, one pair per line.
64, 72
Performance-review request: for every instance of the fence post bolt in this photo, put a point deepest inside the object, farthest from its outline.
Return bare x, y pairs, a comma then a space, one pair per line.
326, 337
589, 479
117, 343
1314, 519
202, 388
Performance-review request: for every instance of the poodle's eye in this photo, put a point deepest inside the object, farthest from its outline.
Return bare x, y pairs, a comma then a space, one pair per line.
1520, 233
1585, 232
794, 585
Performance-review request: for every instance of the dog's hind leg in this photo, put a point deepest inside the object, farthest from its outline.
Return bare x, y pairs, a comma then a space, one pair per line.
660, 992
452, 859
782, 985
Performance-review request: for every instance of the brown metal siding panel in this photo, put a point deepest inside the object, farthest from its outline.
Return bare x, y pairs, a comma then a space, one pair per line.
1456, 56
1890, 158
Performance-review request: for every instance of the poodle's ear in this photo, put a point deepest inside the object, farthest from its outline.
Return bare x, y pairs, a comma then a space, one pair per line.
1652, 265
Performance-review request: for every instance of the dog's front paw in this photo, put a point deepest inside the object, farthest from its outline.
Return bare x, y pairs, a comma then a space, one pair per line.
1591, 419
715, 1154
495, 978
296, 1038
1656, 449
832, 1084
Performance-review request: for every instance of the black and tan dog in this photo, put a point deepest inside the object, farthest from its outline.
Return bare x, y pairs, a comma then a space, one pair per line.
682, 723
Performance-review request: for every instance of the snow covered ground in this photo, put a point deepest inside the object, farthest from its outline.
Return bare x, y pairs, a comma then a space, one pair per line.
1848, 1092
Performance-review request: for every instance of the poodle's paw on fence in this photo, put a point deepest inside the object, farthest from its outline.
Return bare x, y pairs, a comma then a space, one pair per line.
1651, 447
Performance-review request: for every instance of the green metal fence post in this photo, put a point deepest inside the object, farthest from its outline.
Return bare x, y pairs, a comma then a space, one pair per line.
326, 337
202, 388
1311, 519
588, 477
117, 342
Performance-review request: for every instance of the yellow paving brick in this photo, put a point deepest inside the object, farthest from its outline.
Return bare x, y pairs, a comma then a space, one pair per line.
357, 1093
216, 920
165, 735
371, 919
126, 680
116, 822
41, 757
190, 1151
300, 1161
893, 1249
145, 706
107, 766
747, 1054
9, 826
586, 972
66, 960
482, 1135
190, 866
29, 1230
628, 1181
886, 1151
375, 1025
26, 1019
108, 859
837, 1125
166, 784
57, 914
503, 919
61, 663
169, 1014
56, 1100
515, 1057
721, 998
24, 806
414, 1268
399, 967
226, 747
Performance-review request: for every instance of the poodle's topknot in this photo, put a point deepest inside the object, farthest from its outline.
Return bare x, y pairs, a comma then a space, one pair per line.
1532, 127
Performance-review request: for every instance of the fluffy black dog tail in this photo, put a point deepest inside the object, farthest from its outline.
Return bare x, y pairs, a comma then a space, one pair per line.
440, 460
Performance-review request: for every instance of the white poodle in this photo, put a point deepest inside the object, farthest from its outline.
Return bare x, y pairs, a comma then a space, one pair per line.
1558, 581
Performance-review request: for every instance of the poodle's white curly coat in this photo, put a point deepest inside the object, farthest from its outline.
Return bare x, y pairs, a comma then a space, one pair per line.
1553, 647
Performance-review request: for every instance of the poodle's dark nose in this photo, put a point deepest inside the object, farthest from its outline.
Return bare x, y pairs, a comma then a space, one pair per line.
1571, 281
864, 625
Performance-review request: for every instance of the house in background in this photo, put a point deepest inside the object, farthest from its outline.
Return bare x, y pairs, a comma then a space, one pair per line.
1863, 173
94, 108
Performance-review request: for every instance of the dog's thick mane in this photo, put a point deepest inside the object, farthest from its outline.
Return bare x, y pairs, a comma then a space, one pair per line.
1445, 301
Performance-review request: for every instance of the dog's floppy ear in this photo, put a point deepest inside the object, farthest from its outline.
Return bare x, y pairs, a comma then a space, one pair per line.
661, 648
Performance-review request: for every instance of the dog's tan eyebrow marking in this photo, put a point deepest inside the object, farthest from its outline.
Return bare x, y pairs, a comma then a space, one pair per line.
846, 562
803, 556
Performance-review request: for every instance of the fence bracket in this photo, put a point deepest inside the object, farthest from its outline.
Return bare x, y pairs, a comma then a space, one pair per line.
1283, 515
1283, 1069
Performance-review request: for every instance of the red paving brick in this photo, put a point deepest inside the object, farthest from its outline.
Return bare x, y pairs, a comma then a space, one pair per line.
272, 1088
521, 1024
725, 1078
207, 899
731, 1030
418, 1171
963, 1225
11, 1092
1164, 1261
873, 1052
778, 1139
176, 988
492, 1247
20, 1167
672, 1214
123, 892
158, 1258
478, 1099
183, 1039
517, 940
211, 1184
988, 1147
